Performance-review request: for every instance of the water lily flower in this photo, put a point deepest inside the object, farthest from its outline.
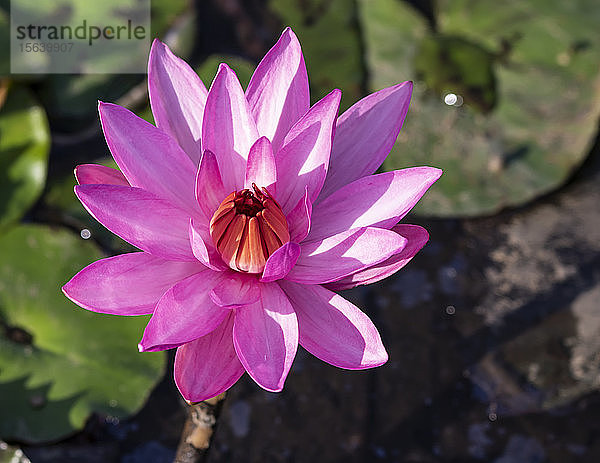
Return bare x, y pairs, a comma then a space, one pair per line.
250, 210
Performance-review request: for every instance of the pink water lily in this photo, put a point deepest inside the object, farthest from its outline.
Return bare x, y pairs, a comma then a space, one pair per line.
250, 209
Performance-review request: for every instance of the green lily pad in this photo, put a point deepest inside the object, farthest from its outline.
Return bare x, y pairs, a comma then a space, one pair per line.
24, 147
58, 362
529, 106
329, 34
453, 65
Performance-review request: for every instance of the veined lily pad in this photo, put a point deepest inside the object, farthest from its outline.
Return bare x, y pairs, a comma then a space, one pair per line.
24, 146
59, 363
529, 107
328, 32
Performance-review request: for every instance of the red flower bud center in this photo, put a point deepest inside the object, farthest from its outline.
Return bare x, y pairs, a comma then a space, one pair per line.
247, 228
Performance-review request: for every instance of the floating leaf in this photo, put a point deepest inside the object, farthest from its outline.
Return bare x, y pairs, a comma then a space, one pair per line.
530, 105
59, 363
24, 146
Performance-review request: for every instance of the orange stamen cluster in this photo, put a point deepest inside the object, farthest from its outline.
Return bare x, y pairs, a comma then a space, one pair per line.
247, 228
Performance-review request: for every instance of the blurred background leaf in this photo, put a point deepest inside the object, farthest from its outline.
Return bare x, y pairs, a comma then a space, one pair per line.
58, 363
24, 147
527, 75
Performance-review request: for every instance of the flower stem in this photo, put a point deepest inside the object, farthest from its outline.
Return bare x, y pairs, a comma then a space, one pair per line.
198, 430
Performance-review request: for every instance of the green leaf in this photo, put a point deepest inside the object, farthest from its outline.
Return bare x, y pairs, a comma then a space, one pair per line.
528, 76
58, 362
24, 147
329, 34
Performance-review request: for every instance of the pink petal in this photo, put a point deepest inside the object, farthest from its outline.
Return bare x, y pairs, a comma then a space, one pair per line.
228, 129
235, 290
265, 337
95, 174
344, 254
378, 200
416, 237
365, 134
129, 284
261, 166
177, 98
148, 157
140, 218
303, 159
281, 262
333, 329
278, 92
184, 313
208, 366
299, 219
210, 191
203, 248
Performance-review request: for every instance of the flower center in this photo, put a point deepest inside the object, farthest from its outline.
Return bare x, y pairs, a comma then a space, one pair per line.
247, 228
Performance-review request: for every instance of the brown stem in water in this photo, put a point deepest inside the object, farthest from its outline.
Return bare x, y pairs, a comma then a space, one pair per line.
198, 430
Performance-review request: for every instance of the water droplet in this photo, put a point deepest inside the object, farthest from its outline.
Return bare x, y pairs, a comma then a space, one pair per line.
450, 99
85, 234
